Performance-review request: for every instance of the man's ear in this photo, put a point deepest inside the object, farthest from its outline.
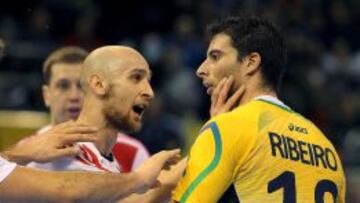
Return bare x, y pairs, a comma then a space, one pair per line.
46, 95
253, 63
98, 84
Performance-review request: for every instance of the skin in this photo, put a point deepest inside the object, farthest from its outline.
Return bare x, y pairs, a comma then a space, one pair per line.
24, 184
116, 79
27, 185
46, 148
230, 82
63, 95
221, 100
114, 75
244, 75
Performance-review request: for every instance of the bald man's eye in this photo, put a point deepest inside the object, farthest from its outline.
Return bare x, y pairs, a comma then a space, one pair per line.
136, 77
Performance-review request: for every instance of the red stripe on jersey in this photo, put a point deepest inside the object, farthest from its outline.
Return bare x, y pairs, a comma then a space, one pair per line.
124, 155
82, 160
93, 158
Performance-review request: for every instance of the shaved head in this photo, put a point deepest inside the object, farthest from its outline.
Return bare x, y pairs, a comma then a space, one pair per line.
108, 59
116, 79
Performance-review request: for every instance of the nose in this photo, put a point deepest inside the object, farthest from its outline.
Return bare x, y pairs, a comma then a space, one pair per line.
202, 70
148, 91
75, 94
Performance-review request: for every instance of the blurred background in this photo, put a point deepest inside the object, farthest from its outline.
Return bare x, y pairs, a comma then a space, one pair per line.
322, 81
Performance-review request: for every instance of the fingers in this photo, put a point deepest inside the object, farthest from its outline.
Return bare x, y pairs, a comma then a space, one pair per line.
224, 91
70, 132
73, 127
167, 158
221, 102
64, 125
69, 151
181, 165
72, 138
233, 100
80, 129
216, 92
172, 159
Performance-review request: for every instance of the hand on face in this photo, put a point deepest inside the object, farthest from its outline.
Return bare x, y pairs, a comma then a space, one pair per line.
221, 101
56, 143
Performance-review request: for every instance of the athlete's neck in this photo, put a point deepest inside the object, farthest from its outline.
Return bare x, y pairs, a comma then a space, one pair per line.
253, 91
94, 117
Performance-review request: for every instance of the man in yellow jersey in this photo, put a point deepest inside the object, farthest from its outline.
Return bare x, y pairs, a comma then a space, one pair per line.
269, 152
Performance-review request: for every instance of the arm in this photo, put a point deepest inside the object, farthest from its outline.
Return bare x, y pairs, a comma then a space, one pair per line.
210, 168
168, 180
25, 184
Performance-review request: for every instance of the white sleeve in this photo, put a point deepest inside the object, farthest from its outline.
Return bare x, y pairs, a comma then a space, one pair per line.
5, 168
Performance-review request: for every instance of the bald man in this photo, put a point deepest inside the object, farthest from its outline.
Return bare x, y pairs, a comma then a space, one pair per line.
117, 91
63, 95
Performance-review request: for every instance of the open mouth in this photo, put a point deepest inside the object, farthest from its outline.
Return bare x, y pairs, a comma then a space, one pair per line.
139, 109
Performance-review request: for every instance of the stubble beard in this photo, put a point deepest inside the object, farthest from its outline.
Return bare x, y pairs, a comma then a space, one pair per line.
118, 121
115, 119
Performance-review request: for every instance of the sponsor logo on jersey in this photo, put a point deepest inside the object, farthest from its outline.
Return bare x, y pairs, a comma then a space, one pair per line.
292, 127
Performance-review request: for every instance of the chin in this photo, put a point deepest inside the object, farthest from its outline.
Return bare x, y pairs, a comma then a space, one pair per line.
136, 127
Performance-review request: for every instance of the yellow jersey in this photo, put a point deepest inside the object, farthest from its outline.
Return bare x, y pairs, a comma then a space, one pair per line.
270, 154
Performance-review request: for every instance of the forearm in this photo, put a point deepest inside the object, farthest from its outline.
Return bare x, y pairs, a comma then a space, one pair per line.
42, 186
14, 156
168, 179
160, 194
109, 187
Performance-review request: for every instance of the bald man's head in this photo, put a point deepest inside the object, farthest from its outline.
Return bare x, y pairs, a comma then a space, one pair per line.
105, 61
117, 79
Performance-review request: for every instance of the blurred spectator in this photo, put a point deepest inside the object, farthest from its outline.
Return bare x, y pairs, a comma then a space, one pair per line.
84, 34
161, 130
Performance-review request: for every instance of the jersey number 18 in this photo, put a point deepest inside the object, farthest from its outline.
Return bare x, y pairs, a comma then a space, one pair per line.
287, 181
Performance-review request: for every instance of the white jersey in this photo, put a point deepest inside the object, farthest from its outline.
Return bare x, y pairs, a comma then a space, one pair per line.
128, 153
90, 159
6, 168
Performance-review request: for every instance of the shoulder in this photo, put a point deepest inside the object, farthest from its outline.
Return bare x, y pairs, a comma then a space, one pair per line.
124, 139
240, 117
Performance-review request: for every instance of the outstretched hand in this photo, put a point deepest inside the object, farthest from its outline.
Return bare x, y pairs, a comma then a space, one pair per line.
52, 144
151, 168
221, 102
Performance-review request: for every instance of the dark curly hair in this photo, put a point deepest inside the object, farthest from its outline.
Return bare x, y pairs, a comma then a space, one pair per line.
254, 34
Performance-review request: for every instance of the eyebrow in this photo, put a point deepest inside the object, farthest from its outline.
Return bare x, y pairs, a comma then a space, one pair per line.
142, 71
214, 51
